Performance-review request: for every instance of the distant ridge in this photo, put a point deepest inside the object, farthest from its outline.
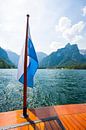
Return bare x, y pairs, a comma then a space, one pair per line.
67, 57
4, 60
14, 57
41, 55
83, 51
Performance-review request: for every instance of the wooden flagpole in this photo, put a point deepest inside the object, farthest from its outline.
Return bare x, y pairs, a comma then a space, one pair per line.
25, 73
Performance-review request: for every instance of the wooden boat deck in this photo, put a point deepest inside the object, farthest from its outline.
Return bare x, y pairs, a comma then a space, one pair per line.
69, 117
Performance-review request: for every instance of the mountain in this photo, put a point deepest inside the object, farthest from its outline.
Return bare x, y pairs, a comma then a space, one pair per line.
4, 60
83, 52
40, 56
69, 56
13, 57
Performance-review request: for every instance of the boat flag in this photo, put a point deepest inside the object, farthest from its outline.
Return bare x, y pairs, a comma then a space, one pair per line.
32, 61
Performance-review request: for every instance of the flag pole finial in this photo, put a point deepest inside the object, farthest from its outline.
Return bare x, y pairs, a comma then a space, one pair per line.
28, 15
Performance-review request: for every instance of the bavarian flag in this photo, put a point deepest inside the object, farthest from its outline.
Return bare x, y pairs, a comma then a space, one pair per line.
32, 62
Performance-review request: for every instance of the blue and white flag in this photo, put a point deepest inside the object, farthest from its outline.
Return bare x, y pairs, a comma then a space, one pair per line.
32, 63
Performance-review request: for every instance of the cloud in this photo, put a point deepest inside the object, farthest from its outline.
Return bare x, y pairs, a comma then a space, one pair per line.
78, 38
63, 24
13, 22
56, 45
72, 33
84, 11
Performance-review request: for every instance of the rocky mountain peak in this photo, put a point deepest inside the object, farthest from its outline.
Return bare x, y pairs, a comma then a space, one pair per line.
67, 56
68, 45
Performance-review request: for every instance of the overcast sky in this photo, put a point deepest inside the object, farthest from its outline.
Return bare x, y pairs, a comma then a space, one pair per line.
53, 23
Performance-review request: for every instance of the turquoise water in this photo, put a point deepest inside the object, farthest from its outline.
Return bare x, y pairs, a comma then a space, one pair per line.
51, 87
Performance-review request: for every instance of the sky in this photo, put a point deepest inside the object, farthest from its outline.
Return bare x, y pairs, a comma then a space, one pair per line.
53, 23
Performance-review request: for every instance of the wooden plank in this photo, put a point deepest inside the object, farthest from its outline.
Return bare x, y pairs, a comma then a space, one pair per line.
71, 116
47, 125
70, 109
83, 116
55, 122
80, 120
45, 112
66, 123
43, 126
54, 126
75, 122
37, 126
20, 128
40, 126
70, 121
15, 117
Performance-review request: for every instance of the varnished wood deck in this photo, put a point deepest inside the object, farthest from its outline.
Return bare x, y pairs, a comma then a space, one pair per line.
69, 117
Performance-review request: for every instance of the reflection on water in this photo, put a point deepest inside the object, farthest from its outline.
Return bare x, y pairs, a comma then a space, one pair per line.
51, 87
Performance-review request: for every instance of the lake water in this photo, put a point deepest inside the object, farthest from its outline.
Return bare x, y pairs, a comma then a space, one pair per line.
51, 87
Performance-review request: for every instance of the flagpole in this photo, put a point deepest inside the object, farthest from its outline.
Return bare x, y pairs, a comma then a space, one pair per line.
25, 73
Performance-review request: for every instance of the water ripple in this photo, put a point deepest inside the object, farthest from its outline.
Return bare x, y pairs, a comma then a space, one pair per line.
51, 87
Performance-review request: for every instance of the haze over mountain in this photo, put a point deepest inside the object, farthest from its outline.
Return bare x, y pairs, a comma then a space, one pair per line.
14, 57
4, 60
41, 56
83, 52
65, 57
